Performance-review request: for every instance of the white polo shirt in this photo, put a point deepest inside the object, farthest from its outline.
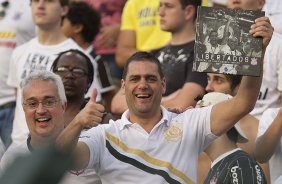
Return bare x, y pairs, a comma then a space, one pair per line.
123, 152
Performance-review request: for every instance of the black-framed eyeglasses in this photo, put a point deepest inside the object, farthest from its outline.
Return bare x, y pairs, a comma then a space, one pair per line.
77, 72
46, 103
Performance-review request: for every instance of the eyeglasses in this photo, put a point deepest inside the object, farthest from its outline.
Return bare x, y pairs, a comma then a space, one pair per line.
76, 72
46, 103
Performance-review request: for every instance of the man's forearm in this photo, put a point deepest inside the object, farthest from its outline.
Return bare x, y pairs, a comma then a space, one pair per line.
123, 54
67, 140
267, 143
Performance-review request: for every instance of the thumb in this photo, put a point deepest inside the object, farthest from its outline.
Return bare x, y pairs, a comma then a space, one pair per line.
93, 95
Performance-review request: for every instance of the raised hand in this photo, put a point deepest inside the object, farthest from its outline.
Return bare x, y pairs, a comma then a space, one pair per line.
262, 28
91, 115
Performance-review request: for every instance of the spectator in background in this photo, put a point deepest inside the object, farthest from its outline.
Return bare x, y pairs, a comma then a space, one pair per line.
140, 29
16, 28
176, 58
229, 84
38, 54
230, 163
273, 9
76, 71
82, 24
106, 41
269, 141
271, 88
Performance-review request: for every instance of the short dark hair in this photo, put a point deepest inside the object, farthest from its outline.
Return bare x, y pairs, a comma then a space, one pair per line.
88, 61
195, 3
142, 56
83, 14
234, 79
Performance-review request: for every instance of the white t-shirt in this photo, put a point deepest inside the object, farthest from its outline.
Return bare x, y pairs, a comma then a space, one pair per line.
273, 10
275, 162
14, 151
16, 27
26, 59
123, 152
278, 181
271, 86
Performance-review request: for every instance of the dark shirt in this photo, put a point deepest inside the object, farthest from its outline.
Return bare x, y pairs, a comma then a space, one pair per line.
238, 167
177, 64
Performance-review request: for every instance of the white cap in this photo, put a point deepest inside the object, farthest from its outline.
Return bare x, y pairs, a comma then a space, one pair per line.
216, 97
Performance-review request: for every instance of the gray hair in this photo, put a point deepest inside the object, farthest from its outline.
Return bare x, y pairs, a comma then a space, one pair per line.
43, 75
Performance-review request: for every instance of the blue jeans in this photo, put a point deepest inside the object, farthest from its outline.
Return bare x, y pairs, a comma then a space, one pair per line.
6, 124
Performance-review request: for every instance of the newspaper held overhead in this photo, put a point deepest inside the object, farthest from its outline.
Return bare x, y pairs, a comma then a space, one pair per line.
223, 43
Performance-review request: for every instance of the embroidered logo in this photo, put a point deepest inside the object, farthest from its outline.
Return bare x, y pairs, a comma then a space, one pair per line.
174, 132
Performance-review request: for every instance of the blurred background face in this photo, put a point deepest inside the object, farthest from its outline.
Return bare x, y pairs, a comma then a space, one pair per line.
67, 28
76, 84
172, 15
246, 4
218, 83
47, 13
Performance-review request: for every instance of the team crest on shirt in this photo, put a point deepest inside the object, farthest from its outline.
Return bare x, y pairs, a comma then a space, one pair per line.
174, 132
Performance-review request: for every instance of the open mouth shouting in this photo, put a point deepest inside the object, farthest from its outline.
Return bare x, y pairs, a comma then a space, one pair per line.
42, 121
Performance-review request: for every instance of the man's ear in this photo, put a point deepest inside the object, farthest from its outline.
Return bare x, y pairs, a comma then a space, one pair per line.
65, 10
122, 87
190, 12
261, 4
77, 28
64, 106
235, 90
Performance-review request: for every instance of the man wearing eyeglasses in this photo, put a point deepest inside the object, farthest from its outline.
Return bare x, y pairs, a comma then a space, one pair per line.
39, 53
44, 103
76, 71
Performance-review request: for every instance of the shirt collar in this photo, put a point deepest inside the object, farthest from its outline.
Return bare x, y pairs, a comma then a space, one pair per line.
166, 118
89, 49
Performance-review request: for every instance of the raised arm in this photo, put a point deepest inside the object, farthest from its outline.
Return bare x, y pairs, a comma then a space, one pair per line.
126, 46
226, 30
119, 105
224, 115
67, 142
267, 143
185, 97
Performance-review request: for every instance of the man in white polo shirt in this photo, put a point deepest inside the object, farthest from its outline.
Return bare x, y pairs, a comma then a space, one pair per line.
150, 144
